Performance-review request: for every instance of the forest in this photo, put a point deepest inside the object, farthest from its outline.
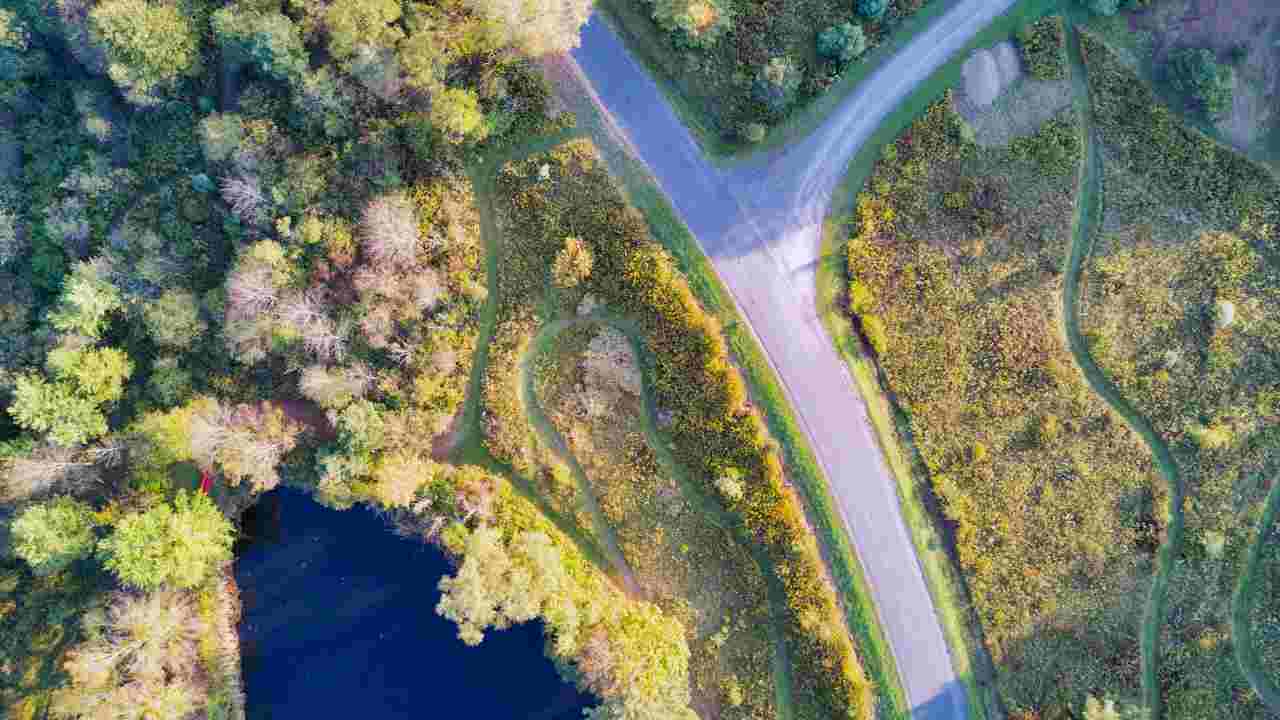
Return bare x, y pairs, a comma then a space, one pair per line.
359, 248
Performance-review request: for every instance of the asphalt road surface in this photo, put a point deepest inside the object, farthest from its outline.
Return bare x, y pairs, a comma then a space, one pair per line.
760, 223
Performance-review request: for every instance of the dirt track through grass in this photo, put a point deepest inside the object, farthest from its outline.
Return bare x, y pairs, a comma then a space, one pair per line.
1089, 198
1243, 643
551, 437
708, 507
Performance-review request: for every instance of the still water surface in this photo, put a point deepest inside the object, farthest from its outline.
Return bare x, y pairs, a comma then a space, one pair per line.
339, 622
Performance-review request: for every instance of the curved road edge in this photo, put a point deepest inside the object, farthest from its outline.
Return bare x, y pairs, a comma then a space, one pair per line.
760, 224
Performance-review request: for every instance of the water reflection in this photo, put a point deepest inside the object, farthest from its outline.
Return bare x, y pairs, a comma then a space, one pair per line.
339, 621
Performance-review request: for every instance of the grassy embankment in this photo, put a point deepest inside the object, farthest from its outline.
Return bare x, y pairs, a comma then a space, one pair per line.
919, 509
768, 396
590, 390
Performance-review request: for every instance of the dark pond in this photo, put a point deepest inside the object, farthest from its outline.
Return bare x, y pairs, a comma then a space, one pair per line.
339, 622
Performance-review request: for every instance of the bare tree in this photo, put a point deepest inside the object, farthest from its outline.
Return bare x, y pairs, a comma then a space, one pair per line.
389, 230
251, 292
244, 194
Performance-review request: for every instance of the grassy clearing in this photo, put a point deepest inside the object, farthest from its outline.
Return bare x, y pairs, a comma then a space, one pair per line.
697, 89
681, 545
1194, 353
768, 396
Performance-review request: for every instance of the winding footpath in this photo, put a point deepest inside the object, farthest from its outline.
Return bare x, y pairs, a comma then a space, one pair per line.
760, 223
1089, 198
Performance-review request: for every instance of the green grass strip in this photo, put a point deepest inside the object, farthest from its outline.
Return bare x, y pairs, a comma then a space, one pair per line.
1088, 213
1242, 642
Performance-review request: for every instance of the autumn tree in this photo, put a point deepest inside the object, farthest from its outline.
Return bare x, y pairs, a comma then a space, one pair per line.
173, 320
535, 27
149, 46
389, 230
572, 264
175, 545
247, 442
140, 660
68, 407
88, 300
355, 23
498, 586
53, 534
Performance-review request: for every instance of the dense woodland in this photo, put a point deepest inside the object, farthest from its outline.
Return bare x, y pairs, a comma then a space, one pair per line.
261, 243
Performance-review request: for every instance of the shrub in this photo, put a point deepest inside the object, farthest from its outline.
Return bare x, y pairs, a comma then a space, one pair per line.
1043, 46
1055, 147
54, 534
873, 328
1106, 8
842, 43
1196, 74
777, 82
572, 264
455, 112
697, 23
871, 9
753, 132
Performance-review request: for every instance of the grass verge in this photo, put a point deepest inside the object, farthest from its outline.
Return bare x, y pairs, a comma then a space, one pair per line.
946, 585
768, 396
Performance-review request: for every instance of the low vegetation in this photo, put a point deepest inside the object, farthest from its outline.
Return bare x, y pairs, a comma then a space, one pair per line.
677, 542
955, 261
712, 433
1195, 352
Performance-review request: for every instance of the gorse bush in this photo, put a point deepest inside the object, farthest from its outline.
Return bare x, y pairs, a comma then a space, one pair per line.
1044, 49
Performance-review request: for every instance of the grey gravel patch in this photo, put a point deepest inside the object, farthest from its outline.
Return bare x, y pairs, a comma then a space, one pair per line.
981, 78
1018, 112
1009, 63
989, 72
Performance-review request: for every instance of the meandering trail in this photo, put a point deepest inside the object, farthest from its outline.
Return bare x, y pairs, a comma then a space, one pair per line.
1242, 640
710, 509
760, 222
1089, 197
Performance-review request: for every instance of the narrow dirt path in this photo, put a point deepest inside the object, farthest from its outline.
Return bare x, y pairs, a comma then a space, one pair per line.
709, 507
1242, 640
551, 437
1089, 199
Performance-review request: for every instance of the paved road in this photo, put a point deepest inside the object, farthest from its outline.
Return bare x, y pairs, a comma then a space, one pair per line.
760, 224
